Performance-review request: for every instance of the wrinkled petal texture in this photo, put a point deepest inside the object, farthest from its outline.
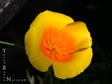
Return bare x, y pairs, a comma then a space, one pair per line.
55, 39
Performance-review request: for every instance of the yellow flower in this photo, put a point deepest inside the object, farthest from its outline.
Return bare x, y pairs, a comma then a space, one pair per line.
56, 39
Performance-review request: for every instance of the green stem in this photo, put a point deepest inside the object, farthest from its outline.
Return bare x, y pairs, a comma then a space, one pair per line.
7, 43
48, 74
51, 76
10, 44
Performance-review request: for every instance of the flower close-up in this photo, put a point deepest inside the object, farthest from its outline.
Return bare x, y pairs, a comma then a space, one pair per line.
56, 40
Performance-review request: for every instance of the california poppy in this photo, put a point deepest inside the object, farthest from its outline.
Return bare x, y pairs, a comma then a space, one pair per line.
56, 40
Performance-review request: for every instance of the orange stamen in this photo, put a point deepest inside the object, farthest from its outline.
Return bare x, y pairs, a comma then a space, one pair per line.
57, 46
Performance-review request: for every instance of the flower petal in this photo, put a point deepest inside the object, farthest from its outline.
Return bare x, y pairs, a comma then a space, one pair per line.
52, 19
78, 64
78, 30
36, 57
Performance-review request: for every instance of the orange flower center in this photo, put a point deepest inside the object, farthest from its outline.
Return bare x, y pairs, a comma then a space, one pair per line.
56, 45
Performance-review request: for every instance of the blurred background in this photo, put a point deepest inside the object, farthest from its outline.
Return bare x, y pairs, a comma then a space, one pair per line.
17, 15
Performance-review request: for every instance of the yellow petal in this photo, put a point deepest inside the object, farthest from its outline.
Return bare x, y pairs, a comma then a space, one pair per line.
78, 30
49, 18
35, 56
78, 64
